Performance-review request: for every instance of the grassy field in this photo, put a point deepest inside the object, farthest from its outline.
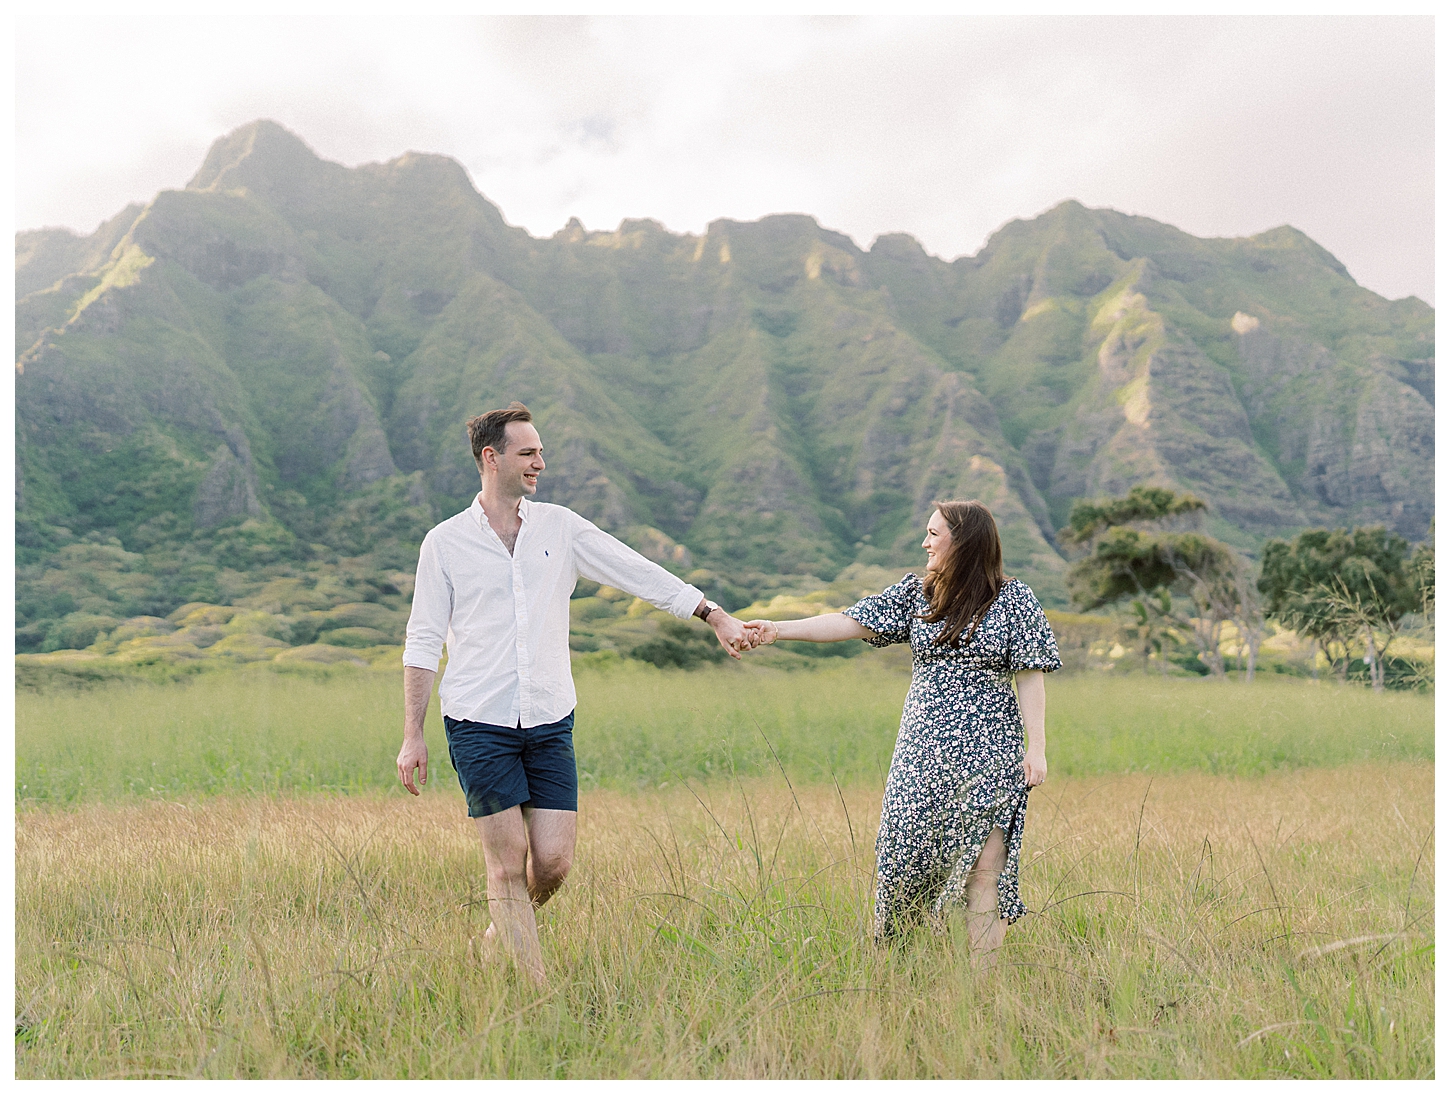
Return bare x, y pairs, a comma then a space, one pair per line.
1185, 925
220, 880
639, 727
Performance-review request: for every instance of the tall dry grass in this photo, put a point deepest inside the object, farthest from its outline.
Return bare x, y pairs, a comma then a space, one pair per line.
1188, 925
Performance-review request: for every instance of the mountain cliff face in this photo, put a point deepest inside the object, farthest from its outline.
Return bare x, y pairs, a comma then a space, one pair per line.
273, 367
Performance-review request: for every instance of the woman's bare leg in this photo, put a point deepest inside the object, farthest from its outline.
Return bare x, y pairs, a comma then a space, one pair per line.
985, 928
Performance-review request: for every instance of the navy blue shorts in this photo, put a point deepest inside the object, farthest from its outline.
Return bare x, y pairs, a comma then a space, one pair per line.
500, 767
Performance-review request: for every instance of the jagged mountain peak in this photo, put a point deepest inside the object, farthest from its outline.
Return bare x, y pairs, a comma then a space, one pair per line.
430, 169
1288, 238
260, 150
788, 230
44, 256
899, 245
297, 342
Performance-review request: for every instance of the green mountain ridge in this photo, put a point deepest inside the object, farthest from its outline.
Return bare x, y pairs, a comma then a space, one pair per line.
268, 372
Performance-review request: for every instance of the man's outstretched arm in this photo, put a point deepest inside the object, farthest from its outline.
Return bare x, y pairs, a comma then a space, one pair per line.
602, 558
417, 687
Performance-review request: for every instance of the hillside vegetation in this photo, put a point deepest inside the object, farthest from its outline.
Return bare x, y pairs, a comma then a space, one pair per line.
251, 392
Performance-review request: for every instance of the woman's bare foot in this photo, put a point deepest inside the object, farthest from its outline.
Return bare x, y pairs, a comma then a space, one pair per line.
985, 931
983, 960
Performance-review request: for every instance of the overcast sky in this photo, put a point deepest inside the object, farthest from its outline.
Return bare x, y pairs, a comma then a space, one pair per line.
943, 128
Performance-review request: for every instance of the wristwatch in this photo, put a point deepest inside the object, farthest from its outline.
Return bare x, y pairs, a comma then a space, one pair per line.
710, 606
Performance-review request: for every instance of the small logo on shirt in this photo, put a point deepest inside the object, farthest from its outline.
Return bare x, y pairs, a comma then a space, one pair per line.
546, 553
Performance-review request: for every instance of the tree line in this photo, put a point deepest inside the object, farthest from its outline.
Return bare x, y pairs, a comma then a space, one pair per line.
1348, 591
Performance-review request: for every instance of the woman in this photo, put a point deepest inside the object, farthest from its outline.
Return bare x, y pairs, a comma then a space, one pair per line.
956, 795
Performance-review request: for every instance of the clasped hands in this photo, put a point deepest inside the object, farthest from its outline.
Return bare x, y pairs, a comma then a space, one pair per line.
738, 636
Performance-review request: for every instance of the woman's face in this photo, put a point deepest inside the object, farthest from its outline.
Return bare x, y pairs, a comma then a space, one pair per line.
938, 540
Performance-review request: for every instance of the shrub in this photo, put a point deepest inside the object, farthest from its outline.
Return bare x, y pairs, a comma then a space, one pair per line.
353, 637
77, 631
679, 646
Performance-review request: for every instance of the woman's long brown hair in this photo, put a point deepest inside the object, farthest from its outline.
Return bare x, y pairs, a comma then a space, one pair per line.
965, 583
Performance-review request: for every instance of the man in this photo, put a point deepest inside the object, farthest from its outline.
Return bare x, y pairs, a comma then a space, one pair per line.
494, 583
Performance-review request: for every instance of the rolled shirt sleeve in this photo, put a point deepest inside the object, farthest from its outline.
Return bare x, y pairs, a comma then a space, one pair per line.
432, 609
601, 558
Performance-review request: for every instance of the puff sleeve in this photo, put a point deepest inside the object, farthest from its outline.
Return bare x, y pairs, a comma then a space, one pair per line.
1030, 642
890, 612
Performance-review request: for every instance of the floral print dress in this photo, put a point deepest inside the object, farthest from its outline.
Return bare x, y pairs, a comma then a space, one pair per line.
957, 768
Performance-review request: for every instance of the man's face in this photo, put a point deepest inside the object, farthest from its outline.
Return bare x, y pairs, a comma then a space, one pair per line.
518, 466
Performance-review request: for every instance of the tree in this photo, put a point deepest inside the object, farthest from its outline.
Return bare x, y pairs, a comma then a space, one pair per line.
1155, 506
1248, 620
1421, 570
1150, 636
1134, 553
1339, 586
1290, 574
1211, 575
1124, 564
1422, 577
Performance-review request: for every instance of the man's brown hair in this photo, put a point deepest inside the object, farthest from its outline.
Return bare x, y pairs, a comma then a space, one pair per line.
488, 430
967, 581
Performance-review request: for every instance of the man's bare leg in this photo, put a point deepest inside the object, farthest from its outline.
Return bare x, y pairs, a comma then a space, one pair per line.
552, 834
528, 853
505, 852
985, 928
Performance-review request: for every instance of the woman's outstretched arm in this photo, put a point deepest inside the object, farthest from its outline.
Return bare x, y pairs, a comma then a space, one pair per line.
833, 627
1032, 702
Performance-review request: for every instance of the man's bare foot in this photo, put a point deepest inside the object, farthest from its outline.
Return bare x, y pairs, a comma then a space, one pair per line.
483, 948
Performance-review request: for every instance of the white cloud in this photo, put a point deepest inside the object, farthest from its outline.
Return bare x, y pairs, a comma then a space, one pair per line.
941, 128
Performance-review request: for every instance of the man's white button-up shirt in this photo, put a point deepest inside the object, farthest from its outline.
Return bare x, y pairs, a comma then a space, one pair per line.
505, 617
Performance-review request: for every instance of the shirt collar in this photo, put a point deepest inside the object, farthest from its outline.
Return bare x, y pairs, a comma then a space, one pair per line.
481, 517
